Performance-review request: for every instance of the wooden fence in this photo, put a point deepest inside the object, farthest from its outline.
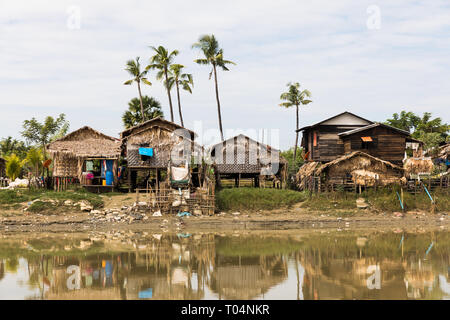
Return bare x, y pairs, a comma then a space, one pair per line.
314, 184
64, 183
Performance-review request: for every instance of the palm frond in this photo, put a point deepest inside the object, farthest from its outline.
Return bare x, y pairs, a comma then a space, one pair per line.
145, 80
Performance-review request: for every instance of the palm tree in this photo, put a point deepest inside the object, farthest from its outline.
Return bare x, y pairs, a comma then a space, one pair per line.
295, 97
34, 160
162, 61
13, 166
134, 69
133, 116
213, 56
184, 80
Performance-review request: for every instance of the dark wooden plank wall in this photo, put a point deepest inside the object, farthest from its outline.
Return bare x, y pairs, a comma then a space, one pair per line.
387, 144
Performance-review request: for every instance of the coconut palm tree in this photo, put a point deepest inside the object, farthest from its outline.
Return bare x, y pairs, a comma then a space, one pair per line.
178, 79
213, 56
134, 69
133, 116
162, 61
295, 97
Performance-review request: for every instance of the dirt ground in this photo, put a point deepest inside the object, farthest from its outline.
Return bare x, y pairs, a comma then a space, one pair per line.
280, 219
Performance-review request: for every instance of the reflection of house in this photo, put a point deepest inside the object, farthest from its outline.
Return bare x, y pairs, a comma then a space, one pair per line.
244, 278
346, 132
85, 150
243, 157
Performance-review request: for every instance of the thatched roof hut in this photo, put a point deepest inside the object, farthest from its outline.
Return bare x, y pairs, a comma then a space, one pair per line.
241, 154
418, 166
363, 169
359, 167
164, 137
70, 152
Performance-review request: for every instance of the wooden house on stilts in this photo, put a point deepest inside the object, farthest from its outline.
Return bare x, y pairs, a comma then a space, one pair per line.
241, 157
152, 146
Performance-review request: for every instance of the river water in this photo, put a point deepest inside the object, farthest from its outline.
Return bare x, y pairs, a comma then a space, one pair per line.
294, 264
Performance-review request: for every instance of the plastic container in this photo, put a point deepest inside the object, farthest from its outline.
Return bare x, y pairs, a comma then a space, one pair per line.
109, 177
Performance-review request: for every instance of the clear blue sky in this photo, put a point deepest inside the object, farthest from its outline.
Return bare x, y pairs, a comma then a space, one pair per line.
372, 58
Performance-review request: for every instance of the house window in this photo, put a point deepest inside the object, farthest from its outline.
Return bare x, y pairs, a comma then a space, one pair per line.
315, 139
367, 142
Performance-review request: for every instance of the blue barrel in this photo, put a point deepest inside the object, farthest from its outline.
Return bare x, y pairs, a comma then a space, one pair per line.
109, 177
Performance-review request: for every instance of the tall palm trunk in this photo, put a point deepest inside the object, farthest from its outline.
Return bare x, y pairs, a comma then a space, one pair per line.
140, 99
179, 103
218, 102
168, 94
296, 136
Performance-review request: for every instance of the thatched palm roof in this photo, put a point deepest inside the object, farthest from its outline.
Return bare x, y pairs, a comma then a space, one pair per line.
150, 123
385, 163
86, 142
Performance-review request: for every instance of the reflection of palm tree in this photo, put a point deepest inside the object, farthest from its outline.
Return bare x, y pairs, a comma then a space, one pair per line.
2, 270
12, 264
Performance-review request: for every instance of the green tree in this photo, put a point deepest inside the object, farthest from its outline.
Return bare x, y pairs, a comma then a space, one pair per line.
295, 97
432, 132
13, 166
9, 145
42, 134
407, 121
289, 156
213, 56
178, 79
162, 60
34, 161
134, 69
133, 116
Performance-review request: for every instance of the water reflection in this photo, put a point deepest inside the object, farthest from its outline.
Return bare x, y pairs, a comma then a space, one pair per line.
292, 265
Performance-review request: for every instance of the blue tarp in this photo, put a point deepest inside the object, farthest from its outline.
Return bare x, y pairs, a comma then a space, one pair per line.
109, 167
146, 152
146, 294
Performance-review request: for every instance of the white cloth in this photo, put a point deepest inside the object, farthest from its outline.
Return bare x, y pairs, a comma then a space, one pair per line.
179, 174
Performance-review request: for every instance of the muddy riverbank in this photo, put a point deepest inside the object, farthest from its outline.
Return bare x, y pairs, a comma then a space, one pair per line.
294, 218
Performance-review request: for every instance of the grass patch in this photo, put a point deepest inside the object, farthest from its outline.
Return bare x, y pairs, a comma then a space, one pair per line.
40, 206
11, 198
256, 199
384, 200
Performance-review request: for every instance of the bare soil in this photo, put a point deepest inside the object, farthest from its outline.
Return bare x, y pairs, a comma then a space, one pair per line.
280, 219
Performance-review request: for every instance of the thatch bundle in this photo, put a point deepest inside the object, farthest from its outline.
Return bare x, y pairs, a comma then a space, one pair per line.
306, 170
444, 152
418, 165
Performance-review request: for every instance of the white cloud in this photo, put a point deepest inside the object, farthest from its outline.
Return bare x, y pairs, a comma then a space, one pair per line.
47, 68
